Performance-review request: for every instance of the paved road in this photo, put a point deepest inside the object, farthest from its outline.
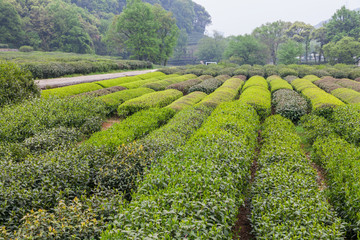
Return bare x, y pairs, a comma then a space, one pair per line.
61, 82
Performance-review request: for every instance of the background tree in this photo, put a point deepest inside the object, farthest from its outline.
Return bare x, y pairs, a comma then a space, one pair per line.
343, 23
211, 48
10, 25
347, 50
289, 51
272, 35
246, 50
180, 48
320, 36
300, 32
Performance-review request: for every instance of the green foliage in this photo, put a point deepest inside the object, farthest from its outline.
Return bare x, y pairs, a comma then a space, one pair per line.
283, 72
289, 51
118, 81
102, 92
196, 193
316, 127
187, 101
328, 84
349, 84
24, 120
72, 90
301, 84
347, 50
286, 201
289, 104
132, 128
211, 49
311, 78
16, 84
114, 100
255, 93
346, 122
185, 85
346, 95
150, 100
225, 93
277, 84
245, 50
162, 84
207, 86
341, 162
11, 31
26, 49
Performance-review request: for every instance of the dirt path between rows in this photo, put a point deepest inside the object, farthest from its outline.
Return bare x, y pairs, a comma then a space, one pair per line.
62, 82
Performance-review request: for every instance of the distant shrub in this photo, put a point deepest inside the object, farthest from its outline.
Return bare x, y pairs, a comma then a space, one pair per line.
102, 92
184, 86
357, 79
283, 72
241, 71
290, 78
270, 70
336, 73
150, 100
207, 86
227, 71
136, 84
162, 84
256, 71
242, 77
273, 77
354, 74
117, 81
26, 49
3, 45
320, 73
223, 78
301, 84
289, 104
16, 84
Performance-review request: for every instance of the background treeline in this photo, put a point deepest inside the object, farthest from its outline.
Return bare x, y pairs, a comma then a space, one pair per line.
335, 41
80, 26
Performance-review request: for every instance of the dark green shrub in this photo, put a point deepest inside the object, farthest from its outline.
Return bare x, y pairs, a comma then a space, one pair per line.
354, 74
241, 71
26, 49
346, 122
320, 73
256, 71
222, 78
207, 86
184, 86
283, 72
16, 84
290, 78
2, 45
316, 127
347, 95
289, 104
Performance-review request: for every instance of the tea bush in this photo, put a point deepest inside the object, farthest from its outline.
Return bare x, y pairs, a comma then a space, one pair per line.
16, 84
184, 86
277, 84
162, 84
187, 101
289, 104
328, 84
207, 86
346, 95
316, 126
223, 78
117, 81
114, 100
26, 49
347, 83
300, 84
290, 78
70, 90
346, 122
286, 201
102, 92
150, 100
311, 78
137, 84
256, 81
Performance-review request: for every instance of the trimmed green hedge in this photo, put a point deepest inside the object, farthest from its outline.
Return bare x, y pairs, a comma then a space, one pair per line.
102, 92
256, 81
328, 84
123, 80
152, 75
301, 84
227, 92
346, 122
257, 95
341, 163
347, 95
195, 192
289, 104
114, 100
286, 202
207, 86
187, 101
132, 128
277, 84
140, 83
150, 100
162, 84
223, 78
347, 83
186, 85
311, 78
70, 90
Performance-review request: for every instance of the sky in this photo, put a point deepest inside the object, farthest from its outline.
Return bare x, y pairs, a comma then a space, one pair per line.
238, 17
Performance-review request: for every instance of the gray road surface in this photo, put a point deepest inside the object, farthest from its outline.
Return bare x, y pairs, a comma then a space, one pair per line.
61, 82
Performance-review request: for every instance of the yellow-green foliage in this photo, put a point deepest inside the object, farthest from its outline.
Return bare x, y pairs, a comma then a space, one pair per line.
113, 100
273, 77
347, 95
136, 84
150, 100
322, 102
311, 78
187, 101
117, 81
256, 81
226, 92
162, 84
70, 90
152, 75
301, 84
277, 84
258, 96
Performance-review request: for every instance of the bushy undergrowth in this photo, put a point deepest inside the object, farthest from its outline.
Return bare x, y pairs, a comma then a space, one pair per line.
289, 104
114, 100
196, 191
150, 100
16, 84
187, 101
286, 201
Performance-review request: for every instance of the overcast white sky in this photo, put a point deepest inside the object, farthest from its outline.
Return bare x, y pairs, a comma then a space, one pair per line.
235, 17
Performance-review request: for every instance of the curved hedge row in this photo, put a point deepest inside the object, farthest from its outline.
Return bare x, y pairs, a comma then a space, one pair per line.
346, 122
132, 128
196, 191
187, 101
207, 86
301, 84
227, 92
289, 104
70, 90
286, 201
162, 84
150, 100
186, 85
257, 95
122, 80
311, 78
137, 84
102, 92
347, 95
347, 83
328, 84
278, 83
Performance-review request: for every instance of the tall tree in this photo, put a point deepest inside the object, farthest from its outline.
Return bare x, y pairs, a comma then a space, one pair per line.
343, 23
211, 48
10, 25
272, 35
300, 32
320, 36
347, 50
246, 50
289, 51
